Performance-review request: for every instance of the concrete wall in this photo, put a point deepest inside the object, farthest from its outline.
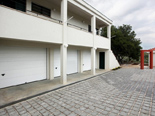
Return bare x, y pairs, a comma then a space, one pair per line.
27, 27
113, 61
56, 14
78, 21
102, 42
79, 37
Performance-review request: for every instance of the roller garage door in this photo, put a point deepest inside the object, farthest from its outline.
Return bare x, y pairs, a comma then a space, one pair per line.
72, 61
57, 67
20, 65
86, 60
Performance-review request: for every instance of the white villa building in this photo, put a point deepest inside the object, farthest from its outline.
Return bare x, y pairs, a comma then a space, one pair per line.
46, 39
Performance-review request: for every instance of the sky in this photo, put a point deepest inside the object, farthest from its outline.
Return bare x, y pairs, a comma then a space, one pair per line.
140, 14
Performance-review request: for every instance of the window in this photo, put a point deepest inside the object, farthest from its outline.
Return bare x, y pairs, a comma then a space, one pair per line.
89, 28
97, 31
41, 10
16, 4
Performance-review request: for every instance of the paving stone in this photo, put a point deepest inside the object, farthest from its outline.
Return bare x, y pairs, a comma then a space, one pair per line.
112, 114
108, 93
72, 114
67, 112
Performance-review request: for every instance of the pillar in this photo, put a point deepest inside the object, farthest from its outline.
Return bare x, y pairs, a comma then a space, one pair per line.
93, 61
100, 31
51, 63
151, 59
63, 64
93, 49
107, 59
63, 48
97, 59
64, 11
93, 25
48, 63
142, 60
109, 34
28, 5
80, 63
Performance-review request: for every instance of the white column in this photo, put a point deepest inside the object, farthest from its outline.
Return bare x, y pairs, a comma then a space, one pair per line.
64, 11
48, 63
80, 63
93, 60
107, 53
63, 64
97, 58
93, 25
100, 31
107, 59
51, 64
109, 34
93, 50
63, 48
28, 5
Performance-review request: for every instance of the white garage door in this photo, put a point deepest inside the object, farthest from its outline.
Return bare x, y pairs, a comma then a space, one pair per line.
72, 61
86, 60
19, 65
57, 67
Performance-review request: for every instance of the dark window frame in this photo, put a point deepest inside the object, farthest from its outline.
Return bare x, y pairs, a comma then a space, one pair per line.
41, 10
15, 4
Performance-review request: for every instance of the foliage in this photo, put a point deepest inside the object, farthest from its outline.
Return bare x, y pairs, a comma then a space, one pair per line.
146, 57
124, 43
116, 68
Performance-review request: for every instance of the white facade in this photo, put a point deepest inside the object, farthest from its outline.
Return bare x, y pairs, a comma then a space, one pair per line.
63, 43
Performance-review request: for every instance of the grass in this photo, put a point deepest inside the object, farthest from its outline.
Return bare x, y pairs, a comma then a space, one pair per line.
116, 68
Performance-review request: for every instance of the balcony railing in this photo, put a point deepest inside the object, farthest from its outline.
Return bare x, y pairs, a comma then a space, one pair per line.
43, 16
75, 26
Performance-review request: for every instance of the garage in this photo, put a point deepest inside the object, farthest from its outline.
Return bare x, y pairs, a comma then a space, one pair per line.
86, 60
20, 65
72, 62
57, 67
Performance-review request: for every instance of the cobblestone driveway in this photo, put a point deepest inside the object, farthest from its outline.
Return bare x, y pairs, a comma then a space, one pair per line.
122, 92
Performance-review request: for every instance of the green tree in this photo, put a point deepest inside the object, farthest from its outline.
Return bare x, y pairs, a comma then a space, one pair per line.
124, 43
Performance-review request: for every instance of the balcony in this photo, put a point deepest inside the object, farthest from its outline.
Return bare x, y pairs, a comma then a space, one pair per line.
102, 42
32, 26
22, 26
79, 37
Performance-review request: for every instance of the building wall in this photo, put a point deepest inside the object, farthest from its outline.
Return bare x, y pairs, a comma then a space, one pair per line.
34, 30
113, 61
78, 21
27, 27
56, 14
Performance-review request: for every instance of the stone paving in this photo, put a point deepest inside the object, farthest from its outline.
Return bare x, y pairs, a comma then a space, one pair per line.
125, 92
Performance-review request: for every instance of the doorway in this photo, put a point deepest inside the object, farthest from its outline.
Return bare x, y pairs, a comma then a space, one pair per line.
102, 60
